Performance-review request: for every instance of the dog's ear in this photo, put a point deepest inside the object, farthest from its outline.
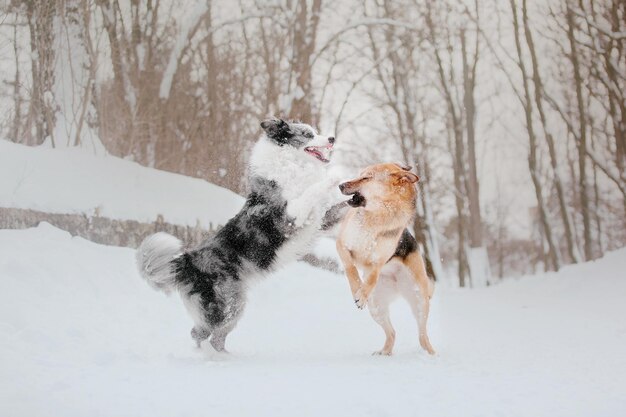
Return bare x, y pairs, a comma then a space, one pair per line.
277, 129
406, 176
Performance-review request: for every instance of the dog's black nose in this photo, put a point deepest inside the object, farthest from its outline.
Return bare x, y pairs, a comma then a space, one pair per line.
331, 139
342, 186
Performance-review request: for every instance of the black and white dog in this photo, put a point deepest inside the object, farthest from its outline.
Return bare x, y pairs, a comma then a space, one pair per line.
290, 193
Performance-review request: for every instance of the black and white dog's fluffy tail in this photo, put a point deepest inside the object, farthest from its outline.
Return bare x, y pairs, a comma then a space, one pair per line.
154, 258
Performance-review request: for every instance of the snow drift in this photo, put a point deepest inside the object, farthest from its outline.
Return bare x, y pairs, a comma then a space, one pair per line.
75, 181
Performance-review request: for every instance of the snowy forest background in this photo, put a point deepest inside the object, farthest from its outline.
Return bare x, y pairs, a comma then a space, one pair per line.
513, 111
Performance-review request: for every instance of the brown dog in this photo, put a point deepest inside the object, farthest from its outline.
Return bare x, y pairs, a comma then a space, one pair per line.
373, 237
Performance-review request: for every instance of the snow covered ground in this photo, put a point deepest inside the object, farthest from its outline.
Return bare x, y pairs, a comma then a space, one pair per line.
76, 181
82, 335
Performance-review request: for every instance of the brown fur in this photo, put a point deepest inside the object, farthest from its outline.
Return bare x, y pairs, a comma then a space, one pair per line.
368, 237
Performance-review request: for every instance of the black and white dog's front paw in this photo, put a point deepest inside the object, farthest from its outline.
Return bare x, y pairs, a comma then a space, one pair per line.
334, 215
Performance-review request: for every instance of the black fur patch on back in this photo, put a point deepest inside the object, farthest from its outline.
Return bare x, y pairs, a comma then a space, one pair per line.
254, 235
406, 245
261, 227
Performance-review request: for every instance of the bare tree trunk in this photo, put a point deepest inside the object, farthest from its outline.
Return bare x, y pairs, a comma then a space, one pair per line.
455, 133
582, 143
122, 85
617, 102
572, 246
459, 177
532, 156
17, 97
429, 241
40, 23
596, 208
305, 34
272, 90
88, 100
473, 195
501, 221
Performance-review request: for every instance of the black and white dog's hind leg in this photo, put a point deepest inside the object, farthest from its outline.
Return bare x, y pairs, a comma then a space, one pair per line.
218, 339
214, 320
200, 334
215, 302
215, 309
218, 335
154, 258
234, 310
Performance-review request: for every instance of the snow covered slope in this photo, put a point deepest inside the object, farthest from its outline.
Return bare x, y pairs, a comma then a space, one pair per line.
75, 181
82, 335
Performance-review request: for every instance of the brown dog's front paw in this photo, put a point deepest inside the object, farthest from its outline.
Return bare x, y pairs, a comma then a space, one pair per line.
360, 300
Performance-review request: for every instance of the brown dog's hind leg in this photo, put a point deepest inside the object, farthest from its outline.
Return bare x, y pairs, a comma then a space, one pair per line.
420, 303
380, 314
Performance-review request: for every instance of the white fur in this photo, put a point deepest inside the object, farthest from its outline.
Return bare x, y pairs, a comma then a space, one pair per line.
154, 258
356, 233
293, 169
307, 184
193, 306
394, 281
298, 245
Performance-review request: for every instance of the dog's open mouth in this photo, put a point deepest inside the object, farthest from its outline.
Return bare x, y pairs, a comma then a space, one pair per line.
320, 152
357, 200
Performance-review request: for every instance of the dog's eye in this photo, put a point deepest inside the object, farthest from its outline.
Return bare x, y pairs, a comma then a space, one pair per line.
308, 135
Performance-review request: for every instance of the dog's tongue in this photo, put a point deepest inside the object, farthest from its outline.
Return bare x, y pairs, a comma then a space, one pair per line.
357, 200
